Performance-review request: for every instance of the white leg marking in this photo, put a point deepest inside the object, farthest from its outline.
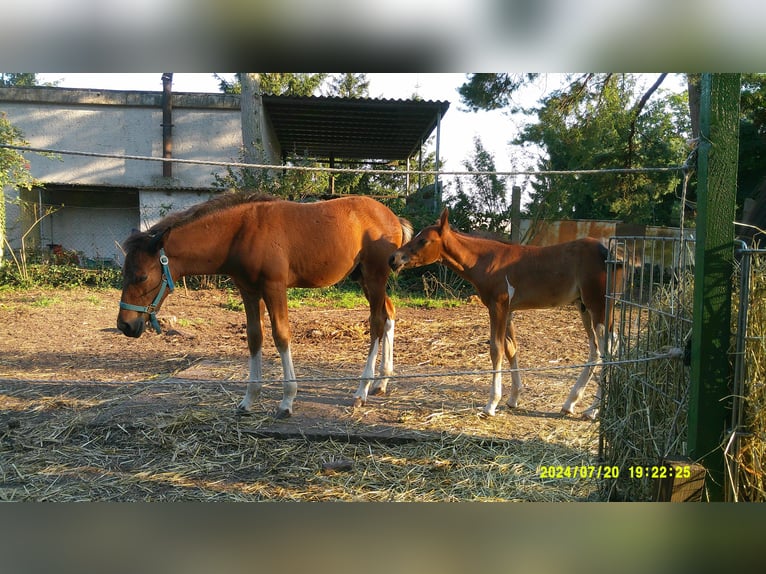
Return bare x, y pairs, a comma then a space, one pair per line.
387, 359
360, 396
592, 411
255, 381
290, 387
594, 358
511, 289
495, 392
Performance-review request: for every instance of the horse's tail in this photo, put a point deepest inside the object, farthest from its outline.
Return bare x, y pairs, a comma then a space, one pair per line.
619, 254
407, 230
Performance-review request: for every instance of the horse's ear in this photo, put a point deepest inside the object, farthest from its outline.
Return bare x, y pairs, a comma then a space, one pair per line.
444, 218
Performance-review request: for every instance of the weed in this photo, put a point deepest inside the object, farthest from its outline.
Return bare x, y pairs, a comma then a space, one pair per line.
44, 302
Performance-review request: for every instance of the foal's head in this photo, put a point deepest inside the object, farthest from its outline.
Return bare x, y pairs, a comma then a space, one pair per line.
426, 247
145, 282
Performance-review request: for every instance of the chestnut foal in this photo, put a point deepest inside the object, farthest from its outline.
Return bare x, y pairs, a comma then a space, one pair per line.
512, 276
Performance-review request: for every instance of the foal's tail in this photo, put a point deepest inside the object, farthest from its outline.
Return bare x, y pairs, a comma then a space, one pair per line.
407, 230
621, 255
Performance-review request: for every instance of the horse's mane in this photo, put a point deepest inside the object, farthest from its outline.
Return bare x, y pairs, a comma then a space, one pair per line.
142, 239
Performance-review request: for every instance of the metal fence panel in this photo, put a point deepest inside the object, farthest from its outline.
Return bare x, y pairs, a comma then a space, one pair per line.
645, 380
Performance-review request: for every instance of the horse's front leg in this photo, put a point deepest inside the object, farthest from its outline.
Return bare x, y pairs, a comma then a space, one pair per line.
254, 310
276, 302
498, 318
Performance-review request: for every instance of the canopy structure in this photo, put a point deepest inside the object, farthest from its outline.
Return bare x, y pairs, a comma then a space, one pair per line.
332, 129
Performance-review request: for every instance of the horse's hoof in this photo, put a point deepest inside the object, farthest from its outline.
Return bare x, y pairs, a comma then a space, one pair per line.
377, 392
283, 414
485, 415
358, 402
510, 406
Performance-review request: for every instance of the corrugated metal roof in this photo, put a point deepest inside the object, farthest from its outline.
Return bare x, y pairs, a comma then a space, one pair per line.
352, 128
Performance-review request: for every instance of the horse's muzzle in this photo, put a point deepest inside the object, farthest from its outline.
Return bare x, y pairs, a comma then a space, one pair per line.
132, 328
398, 261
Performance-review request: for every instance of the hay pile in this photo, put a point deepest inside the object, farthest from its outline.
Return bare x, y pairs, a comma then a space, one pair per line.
643, 419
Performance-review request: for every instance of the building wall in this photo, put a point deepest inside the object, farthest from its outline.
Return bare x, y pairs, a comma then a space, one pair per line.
206, 127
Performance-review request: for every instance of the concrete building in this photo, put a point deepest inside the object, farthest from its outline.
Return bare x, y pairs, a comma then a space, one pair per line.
92, 203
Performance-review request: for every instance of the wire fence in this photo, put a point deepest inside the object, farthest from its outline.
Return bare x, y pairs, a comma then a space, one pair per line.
88, 232
645, 378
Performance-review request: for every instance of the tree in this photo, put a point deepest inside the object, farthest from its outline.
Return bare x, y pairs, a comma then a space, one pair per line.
14, 168
17, 80
597, 121
349, 86
278, 84
480, 201
492, 91
752, 136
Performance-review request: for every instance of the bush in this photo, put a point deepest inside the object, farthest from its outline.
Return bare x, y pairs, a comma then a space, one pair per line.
50, 275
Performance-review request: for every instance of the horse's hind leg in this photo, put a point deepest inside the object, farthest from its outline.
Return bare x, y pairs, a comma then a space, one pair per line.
512, 354
381, 331
600, 339
254, 310
595, 335
276, 302
387, 350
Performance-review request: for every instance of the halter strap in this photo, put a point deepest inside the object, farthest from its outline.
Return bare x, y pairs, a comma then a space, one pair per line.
151, 309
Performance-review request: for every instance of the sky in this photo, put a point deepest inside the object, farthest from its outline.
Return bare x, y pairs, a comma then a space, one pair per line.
459, 127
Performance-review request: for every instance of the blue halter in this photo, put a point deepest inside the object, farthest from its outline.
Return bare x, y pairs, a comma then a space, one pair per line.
151, 309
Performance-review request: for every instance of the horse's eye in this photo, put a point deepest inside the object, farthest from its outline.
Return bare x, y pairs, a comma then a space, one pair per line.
141, 278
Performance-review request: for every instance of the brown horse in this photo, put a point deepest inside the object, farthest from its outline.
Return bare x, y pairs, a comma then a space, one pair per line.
510, 277
267, 245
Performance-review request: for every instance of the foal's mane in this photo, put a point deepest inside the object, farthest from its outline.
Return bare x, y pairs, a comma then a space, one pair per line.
146, 240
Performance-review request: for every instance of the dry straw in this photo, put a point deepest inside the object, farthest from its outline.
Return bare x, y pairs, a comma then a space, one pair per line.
645, 405
644, 414
205, 452
748, 479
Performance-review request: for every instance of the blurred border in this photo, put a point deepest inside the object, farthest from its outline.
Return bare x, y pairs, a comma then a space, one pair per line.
380, 538
391, 36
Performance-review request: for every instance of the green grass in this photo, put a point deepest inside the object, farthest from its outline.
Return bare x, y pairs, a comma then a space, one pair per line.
45, 302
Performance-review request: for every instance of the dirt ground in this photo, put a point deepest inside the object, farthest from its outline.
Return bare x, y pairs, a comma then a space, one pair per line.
60, 353
69, 336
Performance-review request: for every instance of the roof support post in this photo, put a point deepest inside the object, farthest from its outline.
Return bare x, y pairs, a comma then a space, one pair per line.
711, 373
167, 123
437, 184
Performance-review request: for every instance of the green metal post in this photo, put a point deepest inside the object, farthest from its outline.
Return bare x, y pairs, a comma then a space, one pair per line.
711, 372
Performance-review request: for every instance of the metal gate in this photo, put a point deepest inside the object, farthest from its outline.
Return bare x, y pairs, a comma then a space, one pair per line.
646, 378
745, 447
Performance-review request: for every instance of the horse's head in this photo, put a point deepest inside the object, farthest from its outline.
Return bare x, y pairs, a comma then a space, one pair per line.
426, 247
146, 281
